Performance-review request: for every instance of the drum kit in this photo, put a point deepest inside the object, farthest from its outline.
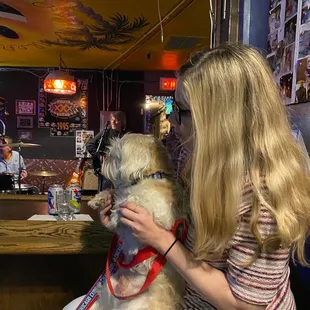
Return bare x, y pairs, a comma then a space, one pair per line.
8, 182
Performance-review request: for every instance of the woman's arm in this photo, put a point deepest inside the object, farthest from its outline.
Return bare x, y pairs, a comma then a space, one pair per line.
210, 282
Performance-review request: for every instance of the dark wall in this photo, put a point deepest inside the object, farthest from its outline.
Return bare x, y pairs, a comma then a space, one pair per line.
132, 98
24, 85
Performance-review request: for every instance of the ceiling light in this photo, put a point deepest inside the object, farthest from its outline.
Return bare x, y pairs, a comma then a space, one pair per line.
60, 81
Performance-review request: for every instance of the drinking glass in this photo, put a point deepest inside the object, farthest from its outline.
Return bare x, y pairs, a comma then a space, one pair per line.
65, 212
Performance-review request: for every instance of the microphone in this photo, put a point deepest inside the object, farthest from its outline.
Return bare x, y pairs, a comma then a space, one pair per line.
107, 125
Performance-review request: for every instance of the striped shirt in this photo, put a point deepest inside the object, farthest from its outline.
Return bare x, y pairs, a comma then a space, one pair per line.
266, 281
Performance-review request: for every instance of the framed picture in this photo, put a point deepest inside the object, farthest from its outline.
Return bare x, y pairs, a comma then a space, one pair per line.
24, 135
25, 107
25, 122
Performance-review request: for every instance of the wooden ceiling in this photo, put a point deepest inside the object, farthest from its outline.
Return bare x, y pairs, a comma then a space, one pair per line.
102, 34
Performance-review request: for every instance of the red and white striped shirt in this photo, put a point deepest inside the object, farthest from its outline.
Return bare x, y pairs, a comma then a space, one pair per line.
266, 281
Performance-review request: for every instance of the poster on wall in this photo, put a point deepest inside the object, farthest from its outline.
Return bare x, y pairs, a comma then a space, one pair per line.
302, 73
25, 107
81, 139
283, 45
64, 114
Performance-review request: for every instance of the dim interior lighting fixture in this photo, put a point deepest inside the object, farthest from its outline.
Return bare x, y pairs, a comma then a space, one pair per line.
60, 81
147, 106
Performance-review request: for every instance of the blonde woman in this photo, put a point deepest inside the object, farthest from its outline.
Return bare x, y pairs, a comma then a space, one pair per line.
249, 186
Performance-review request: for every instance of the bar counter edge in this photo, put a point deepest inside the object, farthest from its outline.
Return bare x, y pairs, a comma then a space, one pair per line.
50, 237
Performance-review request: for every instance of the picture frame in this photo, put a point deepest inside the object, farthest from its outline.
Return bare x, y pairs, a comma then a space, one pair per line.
25, 107
24, 135
25, 122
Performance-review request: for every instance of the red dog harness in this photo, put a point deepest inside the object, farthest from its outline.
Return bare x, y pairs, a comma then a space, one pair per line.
141, 256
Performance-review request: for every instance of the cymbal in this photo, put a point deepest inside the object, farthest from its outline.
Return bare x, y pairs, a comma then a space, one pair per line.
43, 173
19, 144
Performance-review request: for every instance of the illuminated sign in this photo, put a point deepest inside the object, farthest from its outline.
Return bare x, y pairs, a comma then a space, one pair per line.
168, 84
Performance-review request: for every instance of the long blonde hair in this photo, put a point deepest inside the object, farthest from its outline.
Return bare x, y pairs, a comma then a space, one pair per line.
241, 129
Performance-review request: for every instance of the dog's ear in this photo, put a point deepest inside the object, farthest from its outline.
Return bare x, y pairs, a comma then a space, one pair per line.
112, 161
136, 157
143, 155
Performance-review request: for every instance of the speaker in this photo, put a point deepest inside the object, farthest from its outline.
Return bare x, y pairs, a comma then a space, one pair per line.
90, 181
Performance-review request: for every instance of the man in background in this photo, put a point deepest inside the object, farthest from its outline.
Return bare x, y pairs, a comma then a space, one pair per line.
98, 146
9, 160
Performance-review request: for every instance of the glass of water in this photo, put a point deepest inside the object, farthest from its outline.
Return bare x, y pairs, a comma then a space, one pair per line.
65, 212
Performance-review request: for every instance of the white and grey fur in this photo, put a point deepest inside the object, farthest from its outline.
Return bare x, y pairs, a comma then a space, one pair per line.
129, 159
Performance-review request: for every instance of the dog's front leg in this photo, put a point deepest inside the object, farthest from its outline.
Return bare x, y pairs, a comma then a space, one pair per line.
99, 200
114, 220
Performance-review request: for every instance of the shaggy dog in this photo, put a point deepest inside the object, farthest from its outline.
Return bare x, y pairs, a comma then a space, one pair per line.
131, 164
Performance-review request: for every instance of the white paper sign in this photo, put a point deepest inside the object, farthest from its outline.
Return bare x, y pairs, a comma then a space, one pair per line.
81, 139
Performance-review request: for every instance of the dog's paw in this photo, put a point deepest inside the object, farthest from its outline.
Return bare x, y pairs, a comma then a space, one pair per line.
99, 200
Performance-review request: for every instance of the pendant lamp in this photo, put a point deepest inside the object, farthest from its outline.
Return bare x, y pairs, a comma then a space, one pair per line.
60, 82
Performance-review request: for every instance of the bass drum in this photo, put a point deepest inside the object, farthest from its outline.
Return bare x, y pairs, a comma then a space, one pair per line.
6, 182
27, 189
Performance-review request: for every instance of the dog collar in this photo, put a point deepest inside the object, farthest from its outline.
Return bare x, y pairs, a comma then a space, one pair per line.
156, 175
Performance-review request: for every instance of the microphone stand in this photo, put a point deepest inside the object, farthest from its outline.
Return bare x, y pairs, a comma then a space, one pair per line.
19, 169
100, 142
104, 132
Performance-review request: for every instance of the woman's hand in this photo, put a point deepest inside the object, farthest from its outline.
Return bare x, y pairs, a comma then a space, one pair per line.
143, 225
106, 211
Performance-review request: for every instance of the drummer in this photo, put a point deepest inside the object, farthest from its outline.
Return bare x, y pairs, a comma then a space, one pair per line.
9, 160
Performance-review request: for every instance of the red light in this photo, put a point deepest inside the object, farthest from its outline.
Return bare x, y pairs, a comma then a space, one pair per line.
167, 84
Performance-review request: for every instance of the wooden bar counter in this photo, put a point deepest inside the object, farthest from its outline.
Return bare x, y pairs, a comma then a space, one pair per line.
46, 264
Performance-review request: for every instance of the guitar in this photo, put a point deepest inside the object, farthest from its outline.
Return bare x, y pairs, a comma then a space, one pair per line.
76, 174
